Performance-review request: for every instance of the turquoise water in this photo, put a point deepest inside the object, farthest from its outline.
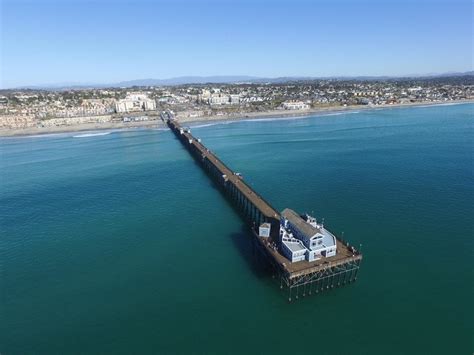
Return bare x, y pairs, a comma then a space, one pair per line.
121, 244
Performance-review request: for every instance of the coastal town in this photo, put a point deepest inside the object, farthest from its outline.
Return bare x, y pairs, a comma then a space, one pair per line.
82, 108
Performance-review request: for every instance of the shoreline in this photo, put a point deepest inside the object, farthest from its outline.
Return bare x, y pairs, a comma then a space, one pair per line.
123, 126
81, 128
276, 114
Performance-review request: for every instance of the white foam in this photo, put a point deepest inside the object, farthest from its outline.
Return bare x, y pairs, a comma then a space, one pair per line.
336, 113
247, 119
206, 124
442, 104
42, 135
85, 135
271, 119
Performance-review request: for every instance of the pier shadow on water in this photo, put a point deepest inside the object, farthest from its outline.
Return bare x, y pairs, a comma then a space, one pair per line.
243, 239
244, 244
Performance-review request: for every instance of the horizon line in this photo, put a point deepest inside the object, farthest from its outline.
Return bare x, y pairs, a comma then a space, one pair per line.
232, 77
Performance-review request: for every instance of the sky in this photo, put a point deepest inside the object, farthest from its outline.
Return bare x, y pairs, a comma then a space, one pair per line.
104, 41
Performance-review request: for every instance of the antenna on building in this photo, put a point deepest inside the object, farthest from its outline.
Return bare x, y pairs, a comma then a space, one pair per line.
322, 222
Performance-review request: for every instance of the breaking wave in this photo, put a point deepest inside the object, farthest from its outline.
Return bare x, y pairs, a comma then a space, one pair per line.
86, 135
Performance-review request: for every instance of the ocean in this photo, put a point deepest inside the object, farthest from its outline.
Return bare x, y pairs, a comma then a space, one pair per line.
120, 244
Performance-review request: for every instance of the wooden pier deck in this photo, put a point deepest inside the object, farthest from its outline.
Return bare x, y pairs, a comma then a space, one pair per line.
237, 181
257, 210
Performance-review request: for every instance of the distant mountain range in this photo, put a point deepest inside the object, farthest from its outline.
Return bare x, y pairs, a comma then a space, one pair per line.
232, 79
188, 80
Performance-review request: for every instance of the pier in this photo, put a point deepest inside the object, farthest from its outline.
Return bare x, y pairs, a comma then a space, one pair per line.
300, 278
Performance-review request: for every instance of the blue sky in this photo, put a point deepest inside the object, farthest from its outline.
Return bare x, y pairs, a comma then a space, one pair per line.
53, 41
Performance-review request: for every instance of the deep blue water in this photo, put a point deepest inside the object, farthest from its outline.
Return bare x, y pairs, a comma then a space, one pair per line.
121, 244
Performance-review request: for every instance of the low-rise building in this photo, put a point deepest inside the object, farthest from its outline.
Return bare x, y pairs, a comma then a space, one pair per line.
317, 241
218, 99
234, 99
264, 230
293, 248
295, 105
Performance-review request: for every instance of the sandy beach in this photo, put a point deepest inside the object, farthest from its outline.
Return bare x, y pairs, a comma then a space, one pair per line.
85, 127
315, 111
215, 118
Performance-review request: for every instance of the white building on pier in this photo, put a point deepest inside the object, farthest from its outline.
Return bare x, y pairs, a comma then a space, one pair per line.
296, 232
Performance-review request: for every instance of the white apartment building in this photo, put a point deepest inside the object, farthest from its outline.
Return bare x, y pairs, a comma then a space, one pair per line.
223, 99
135, 102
